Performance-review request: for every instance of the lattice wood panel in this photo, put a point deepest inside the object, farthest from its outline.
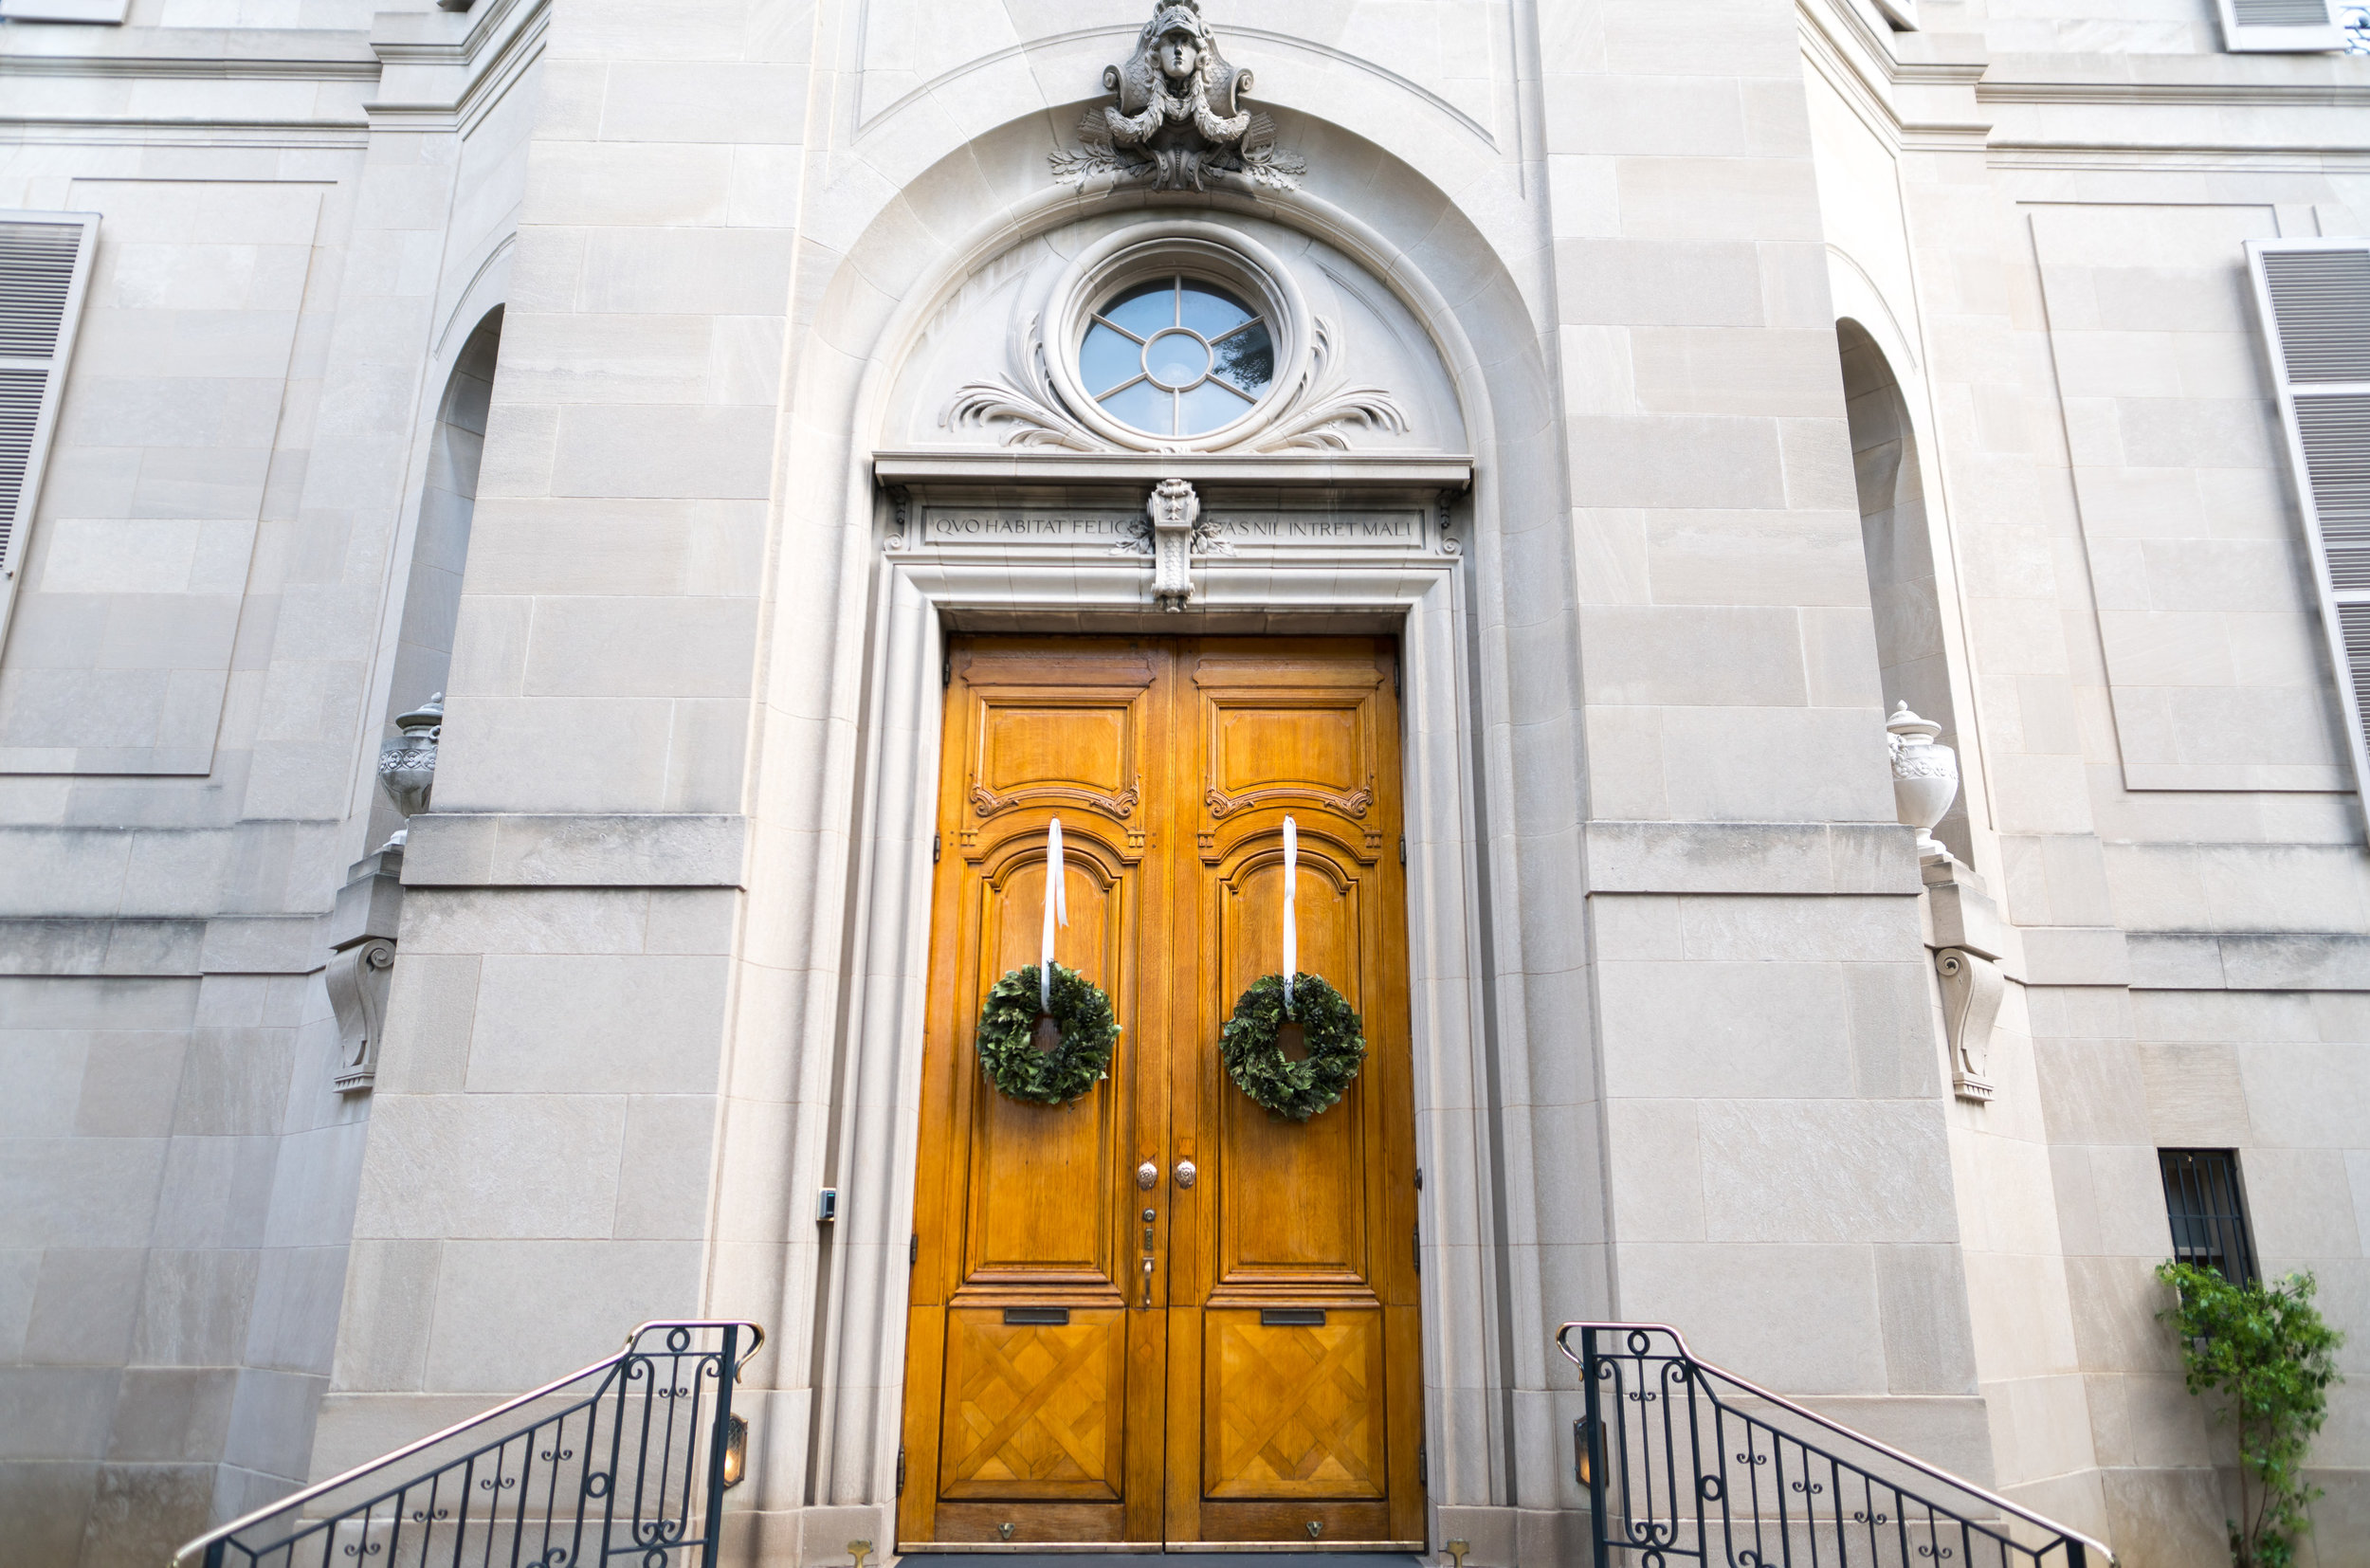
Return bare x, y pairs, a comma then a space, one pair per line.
1032, 1410
1295, 1412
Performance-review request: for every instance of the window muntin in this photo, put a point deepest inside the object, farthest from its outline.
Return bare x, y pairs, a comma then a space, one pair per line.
2209, 1217
1177, 356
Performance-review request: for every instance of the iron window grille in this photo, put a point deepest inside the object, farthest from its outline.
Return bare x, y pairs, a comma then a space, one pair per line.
2208, 1211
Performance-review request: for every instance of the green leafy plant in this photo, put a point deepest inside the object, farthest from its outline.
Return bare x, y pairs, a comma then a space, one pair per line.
2263, 1350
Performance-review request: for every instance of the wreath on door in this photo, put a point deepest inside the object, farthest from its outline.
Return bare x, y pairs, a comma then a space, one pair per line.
1251, 1044
1047, 1047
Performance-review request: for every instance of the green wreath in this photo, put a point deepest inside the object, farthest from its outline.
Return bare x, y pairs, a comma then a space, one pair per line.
1337, 1046
1008, 1027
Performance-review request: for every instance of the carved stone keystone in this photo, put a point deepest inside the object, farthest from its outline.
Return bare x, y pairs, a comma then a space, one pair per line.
1176, 536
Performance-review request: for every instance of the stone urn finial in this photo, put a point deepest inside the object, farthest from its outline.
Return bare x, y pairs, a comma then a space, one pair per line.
1925, 777
406, 765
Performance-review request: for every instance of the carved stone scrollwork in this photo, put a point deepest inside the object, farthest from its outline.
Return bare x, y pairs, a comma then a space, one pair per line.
1179, 119
1972, 988
357, 978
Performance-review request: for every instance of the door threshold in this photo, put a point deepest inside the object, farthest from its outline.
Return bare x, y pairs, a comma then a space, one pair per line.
1200, 1553
1178, 1554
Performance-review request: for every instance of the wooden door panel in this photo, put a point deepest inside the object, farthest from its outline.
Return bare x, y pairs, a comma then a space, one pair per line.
1021, 1430
1299, 1431
1042, 1176
1289, 1197
1033, 1411
1316, 746
1297, 1407
1260, 1385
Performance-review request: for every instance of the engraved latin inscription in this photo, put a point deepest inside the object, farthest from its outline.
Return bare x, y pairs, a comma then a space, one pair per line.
1395, 529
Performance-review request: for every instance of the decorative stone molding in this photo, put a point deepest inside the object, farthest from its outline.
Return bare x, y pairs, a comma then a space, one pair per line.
1925, 777
1315, 414
1322, 403
1179, 120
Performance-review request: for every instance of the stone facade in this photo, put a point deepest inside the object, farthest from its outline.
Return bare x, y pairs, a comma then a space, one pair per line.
625, 373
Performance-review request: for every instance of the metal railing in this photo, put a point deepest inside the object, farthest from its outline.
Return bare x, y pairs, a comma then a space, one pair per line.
625, 1459
1685, 1462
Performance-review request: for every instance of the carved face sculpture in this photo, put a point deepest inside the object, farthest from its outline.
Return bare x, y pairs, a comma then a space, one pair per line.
1179, 53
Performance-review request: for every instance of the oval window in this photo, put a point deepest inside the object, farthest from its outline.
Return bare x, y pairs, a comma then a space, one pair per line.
1177, 356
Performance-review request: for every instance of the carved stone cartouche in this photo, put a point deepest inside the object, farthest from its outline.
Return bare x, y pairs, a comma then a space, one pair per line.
1178, 119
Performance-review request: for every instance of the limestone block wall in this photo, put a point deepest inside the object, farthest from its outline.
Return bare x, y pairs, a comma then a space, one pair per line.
190, 696
657, 982
2174, 834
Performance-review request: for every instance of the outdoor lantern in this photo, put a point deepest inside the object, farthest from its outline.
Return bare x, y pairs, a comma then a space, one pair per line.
735, 1451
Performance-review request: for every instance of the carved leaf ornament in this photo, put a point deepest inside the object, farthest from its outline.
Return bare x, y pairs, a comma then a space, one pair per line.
1317, 407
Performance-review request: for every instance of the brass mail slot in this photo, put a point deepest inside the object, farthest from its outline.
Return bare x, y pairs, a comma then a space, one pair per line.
1291, 1316
1047, 1314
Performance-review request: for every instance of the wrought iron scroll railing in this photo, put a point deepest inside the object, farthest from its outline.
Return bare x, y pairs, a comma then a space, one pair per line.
625, 1461
1688, 1464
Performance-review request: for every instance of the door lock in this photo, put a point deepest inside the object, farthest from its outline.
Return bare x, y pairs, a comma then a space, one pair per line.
1185, 1172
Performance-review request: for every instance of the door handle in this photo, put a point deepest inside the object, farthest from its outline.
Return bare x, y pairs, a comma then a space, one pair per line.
1147, 1284
1185, 1172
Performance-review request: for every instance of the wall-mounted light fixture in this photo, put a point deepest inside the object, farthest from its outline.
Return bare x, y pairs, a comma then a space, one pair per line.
827, 1206
735, 1451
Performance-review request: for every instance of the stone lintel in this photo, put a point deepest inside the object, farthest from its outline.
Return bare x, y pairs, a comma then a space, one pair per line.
1331, 470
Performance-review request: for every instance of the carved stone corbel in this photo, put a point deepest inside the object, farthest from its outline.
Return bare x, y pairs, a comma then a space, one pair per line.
362, 928
1965, 932
1972, 988
357, 978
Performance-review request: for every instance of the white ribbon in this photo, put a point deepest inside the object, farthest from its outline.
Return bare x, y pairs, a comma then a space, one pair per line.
1056, 911
1292, 918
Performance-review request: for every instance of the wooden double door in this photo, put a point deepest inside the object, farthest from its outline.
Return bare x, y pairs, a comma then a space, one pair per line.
1161, 1315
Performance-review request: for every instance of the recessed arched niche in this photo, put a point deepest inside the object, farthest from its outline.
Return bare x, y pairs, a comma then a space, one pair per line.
1151, 333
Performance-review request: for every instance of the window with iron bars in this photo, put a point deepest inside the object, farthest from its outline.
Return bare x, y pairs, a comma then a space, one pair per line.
2208, 1211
